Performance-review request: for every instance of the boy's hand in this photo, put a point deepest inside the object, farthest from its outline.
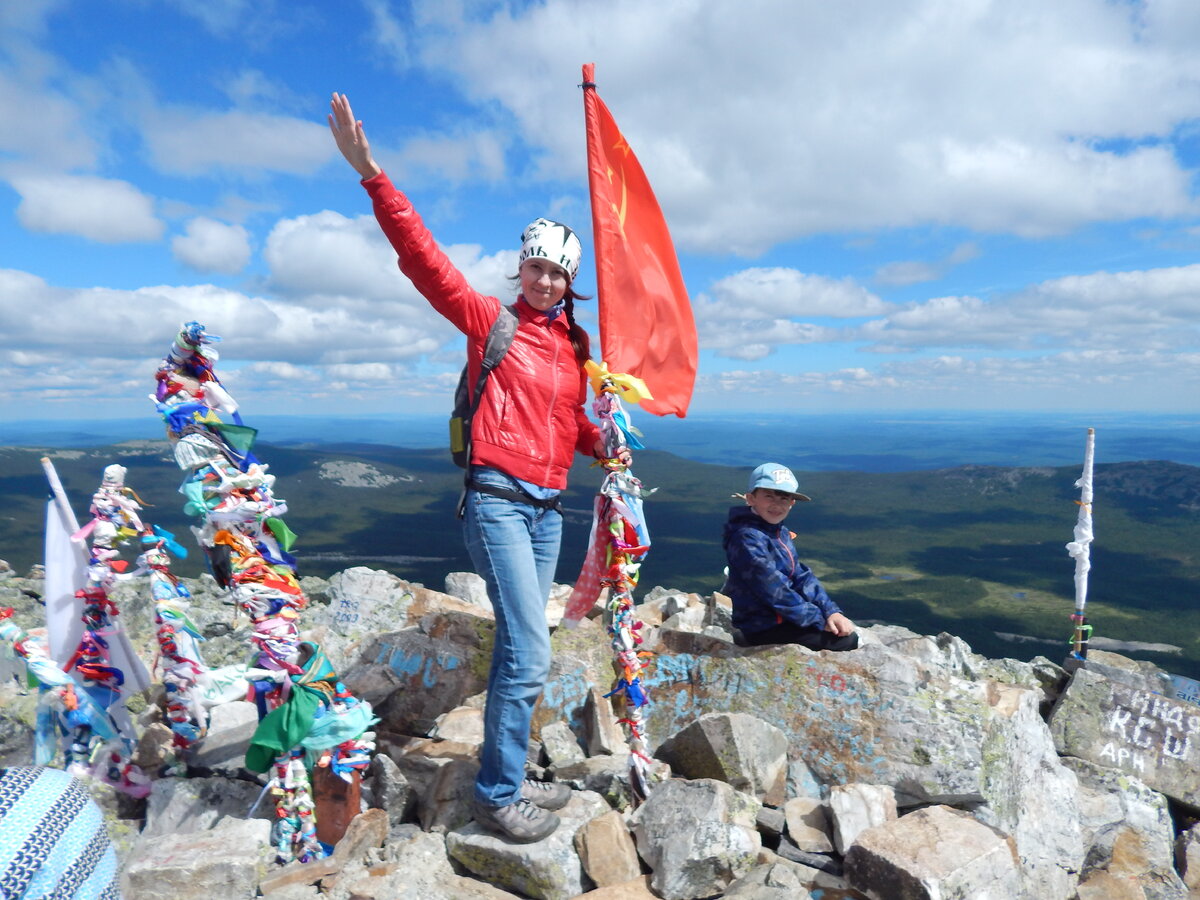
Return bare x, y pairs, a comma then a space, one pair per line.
839, 625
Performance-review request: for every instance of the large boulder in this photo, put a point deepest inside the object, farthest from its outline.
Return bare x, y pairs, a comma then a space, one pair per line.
858, 807
1127, 830
413, 676
227, 861
697, 837
190, 805
1132, 730
936, 853
549, 869
742, 750
607, 850
939, 729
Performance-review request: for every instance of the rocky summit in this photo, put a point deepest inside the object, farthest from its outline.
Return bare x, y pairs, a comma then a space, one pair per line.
909, 768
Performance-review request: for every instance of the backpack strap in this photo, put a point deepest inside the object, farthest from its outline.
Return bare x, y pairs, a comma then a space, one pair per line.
499, 339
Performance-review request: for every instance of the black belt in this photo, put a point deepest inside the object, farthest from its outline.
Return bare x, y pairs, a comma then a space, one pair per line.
516, 496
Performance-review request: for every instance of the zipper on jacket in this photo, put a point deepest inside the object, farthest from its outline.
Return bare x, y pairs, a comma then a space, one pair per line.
553, 402
788, 551
791, 560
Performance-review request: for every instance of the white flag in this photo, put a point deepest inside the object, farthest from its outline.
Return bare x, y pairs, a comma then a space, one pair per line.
66, 573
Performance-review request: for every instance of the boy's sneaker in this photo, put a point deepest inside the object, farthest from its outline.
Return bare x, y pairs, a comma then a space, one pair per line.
520, 822
546, 794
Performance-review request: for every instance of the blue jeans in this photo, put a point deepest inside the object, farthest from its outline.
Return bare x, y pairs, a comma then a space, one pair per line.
514, 547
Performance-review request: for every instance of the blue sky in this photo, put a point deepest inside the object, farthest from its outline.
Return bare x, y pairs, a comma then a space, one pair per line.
877, 205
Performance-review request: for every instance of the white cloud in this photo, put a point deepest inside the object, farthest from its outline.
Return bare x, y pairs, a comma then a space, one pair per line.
1086, 379
193, 142
212, 246
387, 33
218, 16
1152, 309
36, 317
752, 313
760, 293
755, 339
327, 257
765, 120
461, 156
905, 272
18, 20
100, 209
60, 139
758, 312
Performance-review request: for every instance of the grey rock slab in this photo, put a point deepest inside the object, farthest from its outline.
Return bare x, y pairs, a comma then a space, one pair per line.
1187, 858
936, 853
1134, 673
740, 749
1150, 736
607, 850
18, 712
443, 787
602, 734
691, 619
1127, 830
770, 822
433, 668
189, 805
873, 716
770, 881
808, 823
696, 836
463, 724
549, 869
801, 782
386, 788
230, 728
561, 746
469, 587
412, 864
227, 862
853, 809
1030, 794
361, 603
607, 776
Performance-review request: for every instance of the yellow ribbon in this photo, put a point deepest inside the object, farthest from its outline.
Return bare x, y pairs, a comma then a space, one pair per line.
630, 387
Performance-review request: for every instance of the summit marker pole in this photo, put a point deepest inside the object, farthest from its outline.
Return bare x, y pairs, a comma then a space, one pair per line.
1080, 550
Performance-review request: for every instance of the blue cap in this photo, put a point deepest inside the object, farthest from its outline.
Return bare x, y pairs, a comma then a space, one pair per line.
776, 477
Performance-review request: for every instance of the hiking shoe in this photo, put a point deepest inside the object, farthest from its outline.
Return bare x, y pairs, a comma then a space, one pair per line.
546, 794
520, 822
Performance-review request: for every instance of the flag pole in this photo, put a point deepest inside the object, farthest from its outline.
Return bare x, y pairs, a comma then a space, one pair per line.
59, 495
1080, 550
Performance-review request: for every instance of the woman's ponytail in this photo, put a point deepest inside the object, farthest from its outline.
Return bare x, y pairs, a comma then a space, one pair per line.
580, 339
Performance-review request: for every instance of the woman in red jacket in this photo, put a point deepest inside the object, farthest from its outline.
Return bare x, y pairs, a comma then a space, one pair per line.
529, 425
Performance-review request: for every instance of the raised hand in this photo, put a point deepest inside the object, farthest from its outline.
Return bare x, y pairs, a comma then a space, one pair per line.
350, 138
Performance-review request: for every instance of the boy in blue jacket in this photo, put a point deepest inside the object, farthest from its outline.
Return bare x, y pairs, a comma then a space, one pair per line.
776, 598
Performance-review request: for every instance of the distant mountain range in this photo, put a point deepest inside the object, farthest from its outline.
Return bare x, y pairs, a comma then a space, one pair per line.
974, 550
861, 441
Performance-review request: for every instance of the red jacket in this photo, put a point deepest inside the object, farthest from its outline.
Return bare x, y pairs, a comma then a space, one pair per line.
530, 419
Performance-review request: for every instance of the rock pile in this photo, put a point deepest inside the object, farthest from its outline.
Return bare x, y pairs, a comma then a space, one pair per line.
910, 768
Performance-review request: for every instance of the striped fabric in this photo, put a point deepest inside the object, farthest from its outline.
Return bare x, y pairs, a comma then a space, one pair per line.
53, 843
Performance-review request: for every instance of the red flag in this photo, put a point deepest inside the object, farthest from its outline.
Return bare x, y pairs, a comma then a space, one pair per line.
646, 324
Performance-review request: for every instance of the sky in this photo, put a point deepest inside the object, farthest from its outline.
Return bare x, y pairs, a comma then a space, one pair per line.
929, 205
